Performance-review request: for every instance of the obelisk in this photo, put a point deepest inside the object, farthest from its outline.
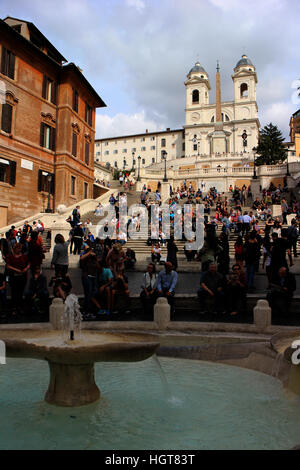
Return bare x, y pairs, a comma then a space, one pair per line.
218, 98
218, 136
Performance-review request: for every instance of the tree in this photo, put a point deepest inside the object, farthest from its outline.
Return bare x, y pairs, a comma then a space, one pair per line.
270, 146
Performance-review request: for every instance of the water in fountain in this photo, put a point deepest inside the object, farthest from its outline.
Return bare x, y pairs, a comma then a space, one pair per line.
172, 399
71, 321
277, 365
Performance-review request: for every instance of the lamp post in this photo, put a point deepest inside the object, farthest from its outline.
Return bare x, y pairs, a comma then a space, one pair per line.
49, 179
254, 169
139, 163
164, 156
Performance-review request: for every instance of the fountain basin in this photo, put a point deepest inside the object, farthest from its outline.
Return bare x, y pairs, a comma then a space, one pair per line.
71, 363
282, 344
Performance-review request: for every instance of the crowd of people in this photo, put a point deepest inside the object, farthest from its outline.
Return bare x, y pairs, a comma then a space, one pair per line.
261, 241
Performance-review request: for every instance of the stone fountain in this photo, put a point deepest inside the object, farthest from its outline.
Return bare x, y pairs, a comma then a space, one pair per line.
71, 355
287, 346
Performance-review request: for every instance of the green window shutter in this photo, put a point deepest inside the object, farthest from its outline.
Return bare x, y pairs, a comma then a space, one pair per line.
54, 93
42, 139
44, 86
6, 118
87, 153
74, 144
3, 60
53, 139
11, 70
12, 173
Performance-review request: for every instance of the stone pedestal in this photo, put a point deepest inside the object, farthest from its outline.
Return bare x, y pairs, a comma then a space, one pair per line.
165, 191
56, 313
255, 188
72, 385
262, 314
162, 313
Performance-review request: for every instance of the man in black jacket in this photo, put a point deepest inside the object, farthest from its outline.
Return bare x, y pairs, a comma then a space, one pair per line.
282, 287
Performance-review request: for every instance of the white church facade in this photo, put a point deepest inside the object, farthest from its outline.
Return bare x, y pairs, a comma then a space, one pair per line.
216, 142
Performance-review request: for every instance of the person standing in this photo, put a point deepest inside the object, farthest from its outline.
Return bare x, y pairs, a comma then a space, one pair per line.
17, 265
76, 216
60, 258
252, 254
292, 235
78, 237
172, 253
35, 252
284, 210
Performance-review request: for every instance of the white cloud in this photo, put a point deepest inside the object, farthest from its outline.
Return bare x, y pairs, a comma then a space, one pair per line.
279, 114
139, 5
124, 124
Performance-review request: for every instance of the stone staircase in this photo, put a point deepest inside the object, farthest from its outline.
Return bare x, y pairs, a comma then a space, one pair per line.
142, 250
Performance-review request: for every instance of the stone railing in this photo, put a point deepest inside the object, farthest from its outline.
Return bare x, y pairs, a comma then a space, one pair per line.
49, 220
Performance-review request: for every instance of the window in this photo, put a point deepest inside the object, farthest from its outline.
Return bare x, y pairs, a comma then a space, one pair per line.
73, 182
97, 144
43, 182
49, 90
196, 96
244, 90
74, 144
163, 142
143, 139
98, 154
153, 147
115, 151
88, 114
47, 137
85, 190
116, 164
133, 150
87, 152
124, 150
6, 118
75, 100
8, 63
195, 147
106, 144
183, 146
143, 161
153, 160
106, 152
224, 116
124, 141
8, 171
152, 138
143, 149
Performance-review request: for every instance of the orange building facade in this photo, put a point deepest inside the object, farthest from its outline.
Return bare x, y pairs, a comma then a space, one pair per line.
295, 131
47, 125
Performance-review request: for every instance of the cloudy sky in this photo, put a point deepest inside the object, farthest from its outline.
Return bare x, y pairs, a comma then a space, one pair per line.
137, 53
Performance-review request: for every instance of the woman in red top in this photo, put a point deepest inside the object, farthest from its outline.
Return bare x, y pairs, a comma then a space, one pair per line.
17, 265
35, 251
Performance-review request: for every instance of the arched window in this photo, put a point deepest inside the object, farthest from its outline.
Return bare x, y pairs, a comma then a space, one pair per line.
225, 117
196, 96
244, 90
